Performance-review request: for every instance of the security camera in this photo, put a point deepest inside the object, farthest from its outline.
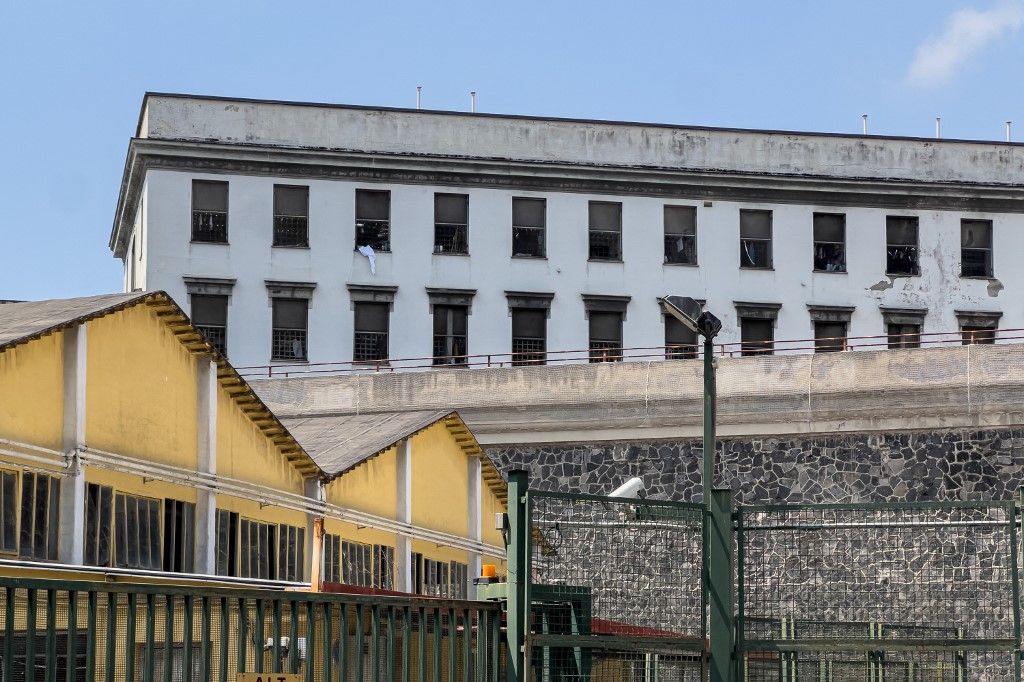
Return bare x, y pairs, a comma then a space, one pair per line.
634, 487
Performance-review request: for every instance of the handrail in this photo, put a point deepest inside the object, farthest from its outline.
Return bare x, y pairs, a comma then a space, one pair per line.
625, 354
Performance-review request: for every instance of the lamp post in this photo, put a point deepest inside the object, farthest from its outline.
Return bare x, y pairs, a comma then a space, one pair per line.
718, 580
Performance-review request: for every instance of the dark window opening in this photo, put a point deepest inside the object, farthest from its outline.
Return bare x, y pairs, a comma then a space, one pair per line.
901, 246
40, 507
209, 211
528, 225
605, 336
137, 542
450, 337
460, 580
529, 336
179, 536
435, 578
829, 337
288, 340
681, 235
332, 558
210, 316
291, 215
257, 550
373, 219
755, 239
227, 543
64, 666
291, 553
356, 561
451, 223
371, 332
904, 335
384, 567
975, 248
417, 572
8, 511
829, 242
757, 336
605, 231
99, 506
680, 340
976, 334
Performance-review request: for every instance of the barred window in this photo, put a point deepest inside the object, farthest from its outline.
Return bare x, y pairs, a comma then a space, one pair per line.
137, 537
529, 336
373, 219
755, 239
460, 580
227, 542
450, 336
529, 217
681, 235
291, 215
209, 211
680, 340
8, 511
289, 329
291, 553
972, 334
99, 508
332, 558
384, 567
975, 248
40, 507
179, 536
435, 578
451, 223
829, 242
371, 331
605, 230
605, 336
257, 545
901, 246
210, 316
356, 564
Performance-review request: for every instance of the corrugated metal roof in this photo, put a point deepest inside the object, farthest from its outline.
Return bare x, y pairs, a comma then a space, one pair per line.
339, 443
20, 322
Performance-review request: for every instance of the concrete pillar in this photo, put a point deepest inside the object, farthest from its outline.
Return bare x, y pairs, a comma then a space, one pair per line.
403, 514
71, 528
206, 500
313, 488
473, 514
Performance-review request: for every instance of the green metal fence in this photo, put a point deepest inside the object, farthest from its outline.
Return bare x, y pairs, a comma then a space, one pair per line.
92, 632
615, 589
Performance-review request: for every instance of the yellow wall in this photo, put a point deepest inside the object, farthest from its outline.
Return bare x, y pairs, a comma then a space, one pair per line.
440, 482
244, 452
371, 487
251, 509
136, 485
32, 392
140, 389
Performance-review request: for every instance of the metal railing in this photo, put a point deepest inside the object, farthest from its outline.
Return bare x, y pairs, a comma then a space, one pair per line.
291, 230
210, 226
629, 354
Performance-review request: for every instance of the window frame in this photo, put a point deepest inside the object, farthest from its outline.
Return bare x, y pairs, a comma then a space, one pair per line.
267, 559
542, 229
386, 248
591, 231
461, 241
449, 339
225, 213
770, 241
331, 567
126, 524
10, 504
989, 251
750, 348
179, 539
667, 235
50, 513
682, 350
898, 337
96, 518
215, 335
602, 349
275, 329
280, 216
915, 221
232, 552
356, 571
815, 242
529, 350
291, 553
831, 344
383, 337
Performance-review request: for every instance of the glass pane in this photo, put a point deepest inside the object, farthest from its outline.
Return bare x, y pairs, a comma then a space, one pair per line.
121, 539
372, 204
528, 322
976, 234
290, 313
53, 520
755, 224
451, 208
605, 215
9, 512
449, 319
528, 212
39, 528
606, 327
291, 201
901, 230
105, 539
209, 196
829, 227
680, 220
371, 317
28, 488
209, 310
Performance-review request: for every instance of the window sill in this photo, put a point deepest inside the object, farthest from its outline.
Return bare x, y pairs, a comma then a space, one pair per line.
371, 363
902, 274
375, 251
685, 265
983, 278
753, 269
449, 253
830, 272
523, 256
605, 260
193, 241
283, 361
290, 246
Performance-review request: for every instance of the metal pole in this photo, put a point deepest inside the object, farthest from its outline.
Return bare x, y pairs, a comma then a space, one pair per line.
709, 421
518, 546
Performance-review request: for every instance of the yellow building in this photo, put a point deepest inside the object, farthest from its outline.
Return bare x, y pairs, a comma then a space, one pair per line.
128, 443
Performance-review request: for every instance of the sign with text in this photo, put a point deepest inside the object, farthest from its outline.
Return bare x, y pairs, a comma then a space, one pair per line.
269, 677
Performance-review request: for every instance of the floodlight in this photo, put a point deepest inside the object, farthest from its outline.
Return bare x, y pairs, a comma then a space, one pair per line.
689, 312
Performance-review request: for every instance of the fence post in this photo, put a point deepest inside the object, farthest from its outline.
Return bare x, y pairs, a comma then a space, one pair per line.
720, 587
518, 547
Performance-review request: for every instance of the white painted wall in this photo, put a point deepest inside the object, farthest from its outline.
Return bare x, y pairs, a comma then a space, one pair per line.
330, 262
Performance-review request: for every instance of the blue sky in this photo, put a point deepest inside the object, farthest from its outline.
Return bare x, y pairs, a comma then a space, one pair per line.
72, 77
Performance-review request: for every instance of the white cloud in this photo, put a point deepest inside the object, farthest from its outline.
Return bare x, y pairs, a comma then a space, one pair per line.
966, 32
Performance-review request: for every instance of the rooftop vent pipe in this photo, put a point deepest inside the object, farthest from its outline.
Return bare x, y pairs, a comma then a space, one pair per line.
472, 101
864, 122
938, 126
1009, 131
419, 93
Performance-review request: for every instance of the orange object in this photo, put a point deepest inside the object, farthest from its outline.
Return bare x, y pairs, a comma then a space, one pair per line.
488, 571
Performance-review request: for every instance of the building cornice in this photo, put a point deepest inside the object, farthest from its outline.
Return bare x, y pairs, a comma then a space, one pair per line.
681, 183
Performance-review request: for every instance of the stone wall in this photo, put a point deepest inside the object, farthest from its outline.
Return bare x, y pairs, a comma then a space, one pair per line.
914, 466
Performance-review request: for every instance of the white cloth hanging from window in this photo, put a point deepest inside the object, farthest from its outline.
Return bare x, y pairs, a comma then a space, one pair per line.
367, 251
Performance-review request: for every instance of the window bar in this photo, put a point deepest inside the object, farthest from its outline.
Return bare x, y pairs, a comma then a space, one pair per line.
204, 638
72, 634
258, 634
451, 644
8, 662
311, 640
436, 616
169, 636
467, 633
421, 644
328, 639
375, 640
129, 639
343, 642
389, 660
224, 631
147, 661
51, 630
243, 620
360, 673
275, 647
406, 636
110, 650
90, 637
293, 637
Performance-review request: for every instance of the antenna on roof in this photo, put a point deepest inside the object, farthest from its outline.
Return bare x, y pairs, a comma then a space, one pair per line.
419, 93
1009, 131
472, 101
864, 123
938, 127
